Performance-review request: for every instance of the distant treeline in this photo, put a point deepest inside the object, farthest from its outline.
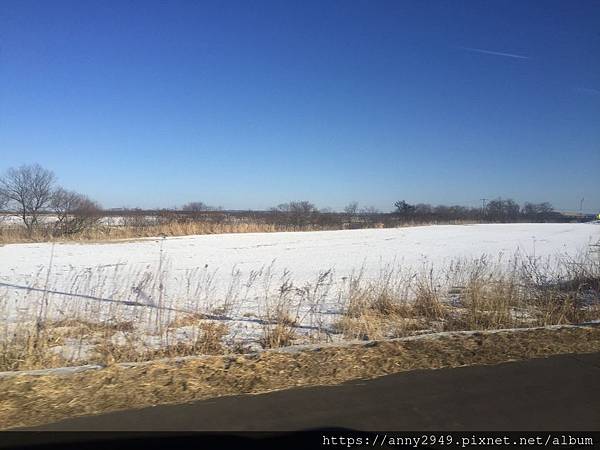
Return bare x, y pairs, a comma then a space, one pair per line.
45, 209
304, 213
498, 210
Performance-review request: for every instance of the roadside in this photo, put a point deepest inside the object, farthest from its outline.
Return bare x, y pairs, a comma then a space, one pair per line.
30, 400
555, 393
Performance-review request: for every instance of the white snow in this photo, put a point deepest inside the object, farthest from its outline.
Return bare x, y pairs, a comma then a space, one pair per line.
14, 220
96, 278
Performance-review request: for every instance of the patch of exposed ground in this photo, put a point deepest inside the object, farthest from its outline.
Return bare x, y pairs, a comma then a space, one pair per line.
28, 400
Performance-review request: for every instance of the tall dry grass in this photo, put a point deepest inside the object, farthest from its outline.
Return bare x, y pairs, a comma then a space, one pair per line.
107, 315
16, 234
11, 234
473, 295
294, 312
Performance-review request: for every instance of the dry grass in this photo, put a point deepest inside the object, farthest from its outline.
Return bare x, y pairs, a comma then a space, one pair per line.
467, 295
376, 309
29, 350
140, 227
280, 318
473, 295
17, 234
186, 319
32, 400
280, 334
206, 340
35, 349
35, 345
82, 329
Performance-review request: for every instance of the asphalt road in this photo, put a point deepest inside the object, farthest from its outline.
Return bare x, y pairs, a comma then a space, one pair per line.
556, 393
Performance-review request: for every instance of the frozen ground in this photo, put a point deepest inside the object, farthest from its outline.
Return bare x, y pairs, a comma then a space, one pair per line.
235, 274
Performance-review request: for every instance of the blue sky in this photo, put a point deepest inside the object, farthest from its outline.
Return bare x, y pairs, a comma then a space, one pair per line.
252, 103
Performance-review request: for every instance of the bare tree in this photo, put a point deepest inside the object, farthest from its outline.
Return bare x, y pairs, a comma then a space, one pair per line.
28, 191
196, 207
404, 209
351, 208
74, 212
3, 201
282, 207
500, 210
303, 212
369, 210
303, 207
539, 212
532, 209
298, 212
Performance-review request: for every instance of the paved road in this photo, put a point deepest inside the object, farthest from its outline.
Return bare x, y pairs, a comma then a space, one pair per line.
557, 393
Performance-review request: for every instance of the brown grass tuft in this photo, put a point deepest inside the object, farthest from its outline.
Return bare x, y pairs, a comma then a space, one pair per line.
208, 340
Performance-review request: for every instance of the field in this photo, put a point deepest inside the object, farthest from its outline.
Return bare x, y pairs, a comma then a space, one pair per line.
71, 303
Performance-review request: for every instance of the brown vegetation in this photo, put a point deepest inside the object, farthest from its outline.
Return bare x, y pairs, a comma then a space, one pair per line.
29, 400
477, 295
468, 295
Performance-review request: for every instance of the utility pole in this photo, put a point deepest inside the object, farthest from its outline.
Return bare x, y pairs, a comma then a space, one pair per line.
581, 205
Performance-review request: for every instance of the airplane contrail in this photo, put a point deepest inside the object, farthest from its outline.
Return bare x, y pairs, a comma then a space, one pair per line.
590, 91
490, 52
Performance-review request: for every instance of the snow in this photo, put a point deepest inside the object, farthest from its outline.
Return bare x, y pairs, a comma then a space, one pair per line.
179, 273
113, 221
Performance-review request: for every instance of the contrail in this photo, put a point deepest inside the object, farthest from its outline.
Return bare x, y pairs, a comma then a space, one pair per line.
490, 52
590, 91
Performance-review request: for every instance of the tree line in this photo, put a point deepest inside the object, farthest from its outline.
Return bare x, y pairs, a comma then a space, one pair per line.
497, 210
31, 192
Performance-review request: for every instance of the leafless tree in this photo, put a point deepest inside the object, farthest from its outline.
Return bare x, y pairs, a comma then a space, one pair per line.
303, 208
533, 209
369, 210
303, 212
282, 207
351, 208
3, 201
298, 212
28, 191
74, 212
500, 210
404, 209
196, 207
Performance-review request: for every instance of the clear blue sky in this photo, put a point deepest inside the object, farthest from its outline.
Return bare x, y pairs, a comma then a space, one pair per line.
252, 103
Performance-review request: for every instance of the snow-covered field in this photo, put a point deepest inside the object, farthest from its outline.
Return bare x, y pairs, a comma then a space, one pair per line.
113, 221
237, 273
